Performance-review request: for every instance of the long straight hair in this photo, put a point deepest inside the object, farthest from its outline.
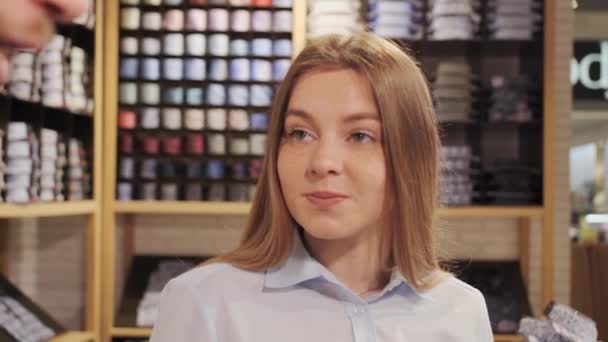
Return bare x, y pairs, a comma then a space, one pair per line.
411, 149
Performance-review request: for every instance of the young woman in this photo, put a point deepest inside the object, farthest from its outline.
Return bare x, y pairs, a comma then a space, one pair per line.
340, 242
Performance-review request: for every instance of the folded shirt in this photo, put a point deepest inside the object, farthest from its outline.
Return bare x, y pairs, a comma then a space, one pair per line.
409, 20
393, 31
456, 8
339, 20
392, 7
321, 31
321, 7
458, 93
513, 9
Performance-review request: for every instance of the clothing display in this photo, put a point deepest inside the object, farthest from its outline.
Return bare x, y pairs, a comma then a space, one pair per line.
53, 163
79, 184
3, 166
459, 175
453, 19
512, 182
510, 99
454, 91
21, 320
23, 160
191, 87
43, 166
194, 92
333, 17
503, 288
59, 76
395, 19
20, 323
562, 323
517, 20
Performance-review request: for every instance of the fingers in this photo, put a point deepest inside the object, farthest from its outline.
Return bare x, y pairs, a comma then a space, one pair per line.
64, 10
25, 25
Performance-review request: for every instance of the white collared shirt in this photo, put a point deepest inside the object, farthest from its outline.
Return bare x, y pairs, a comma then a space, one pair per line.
301, 301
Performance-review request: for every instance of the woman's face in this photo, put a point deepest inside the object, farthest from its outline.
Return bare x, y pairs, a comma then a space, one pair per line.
331, 163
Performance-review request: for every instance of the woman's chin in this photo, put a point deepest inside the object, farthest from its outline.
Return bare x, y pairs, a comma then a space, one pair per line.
328, 230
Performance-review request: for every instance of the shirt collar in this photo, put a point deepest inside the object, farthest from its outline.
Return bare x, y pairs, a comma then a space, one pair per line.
301, 267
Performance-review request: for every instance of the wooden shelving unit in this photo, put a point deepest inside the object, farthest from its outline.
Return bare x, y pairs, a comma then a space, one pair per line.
74, 336
55, 209
130, 332
241, 208
113, 208
92, 208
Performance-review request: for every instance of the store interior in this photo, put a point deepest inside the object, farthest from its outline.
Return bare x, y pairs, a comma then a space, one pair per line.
133, 141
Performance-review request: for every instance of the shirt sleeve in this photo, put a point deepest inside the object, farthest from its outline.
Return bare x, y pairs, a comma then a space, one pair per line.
484, 326
182, 316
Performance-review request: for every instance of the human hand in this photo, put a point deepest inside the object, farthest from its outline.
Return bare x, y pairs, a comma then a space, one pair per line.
28, 24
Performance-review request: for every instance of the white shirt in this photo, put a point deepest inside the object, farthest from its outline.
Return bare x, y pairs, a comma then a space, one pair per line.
301, 301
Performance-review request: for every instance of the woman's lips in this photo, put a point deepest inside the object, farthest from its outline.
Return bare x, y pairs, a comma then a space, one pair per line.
325, 199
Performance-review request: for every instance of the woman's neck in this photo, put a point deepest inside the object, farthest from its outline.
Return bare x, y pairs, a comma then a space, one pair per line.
354, 261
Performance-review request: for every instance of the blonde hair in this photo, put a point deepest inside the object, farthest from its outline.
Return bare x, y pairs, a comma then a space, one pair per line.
411, 147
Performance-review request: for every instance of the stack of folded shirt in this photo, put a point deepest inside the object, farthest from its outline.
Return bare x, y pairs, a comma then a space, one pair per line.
513, 19
509, 99
79, 179
76, 95
395, 19
459, 171
454, 91
512, 182
54, 72
50, 171
2, 165
23, 164
59, 76
21, 84
453, 19
147, 311
333, 17
62, 163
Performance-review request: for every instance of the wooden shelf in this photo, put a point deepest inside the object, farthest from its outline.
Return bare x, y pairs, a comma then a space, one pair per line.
54, 209
182, 207
74, 336
146, 332
508, 338
242, 208
491, 211
130, 332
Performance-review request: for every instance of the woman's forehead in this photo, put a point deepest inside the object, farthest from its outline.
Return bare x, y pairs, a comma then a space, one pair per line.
341, 91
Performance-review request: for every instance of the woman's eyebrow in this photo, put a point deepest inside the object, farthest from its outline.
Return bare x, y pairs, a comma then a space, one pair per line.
361, 116
300, 113
349, 117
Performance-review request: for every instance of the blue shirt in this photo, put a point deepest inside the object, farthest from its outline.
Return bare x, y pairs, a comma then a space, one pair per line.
301, 301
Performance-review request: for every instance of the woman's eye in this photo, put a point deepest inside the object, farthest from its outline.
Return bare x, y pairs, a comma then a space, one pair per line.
361, 137
298, 134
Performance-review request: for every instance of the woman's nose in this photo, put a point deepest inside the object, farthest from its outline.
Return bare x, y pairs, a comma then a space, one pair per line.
326, 158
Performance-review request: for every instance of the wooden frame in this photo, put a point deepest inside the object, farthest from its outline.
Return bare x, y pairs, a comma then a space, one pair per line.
548, 153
